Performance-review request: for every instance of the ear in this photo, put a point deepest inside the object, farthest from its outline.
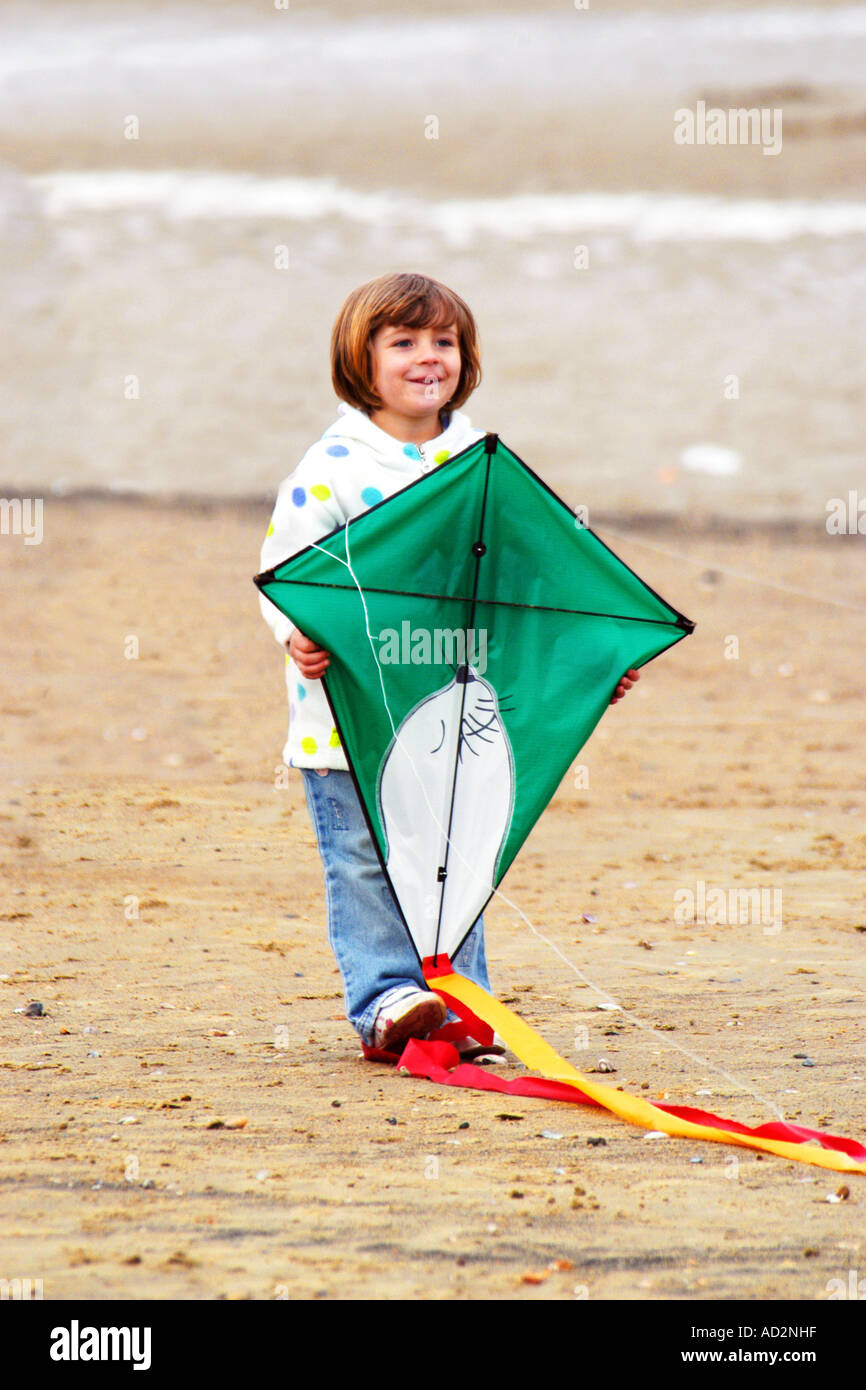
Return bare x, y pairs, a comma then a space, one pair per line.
374, 399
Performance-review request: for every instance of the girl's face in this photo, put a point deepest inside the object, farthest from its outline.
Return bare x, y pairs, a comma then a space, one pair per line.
415, 370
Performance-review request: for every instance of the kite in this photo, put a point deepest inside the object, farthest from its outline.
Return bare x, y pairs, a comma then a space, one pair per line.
477, 630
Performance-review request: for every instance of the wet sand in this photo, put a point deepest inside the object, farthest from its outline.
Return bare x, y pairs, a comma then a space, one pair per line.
147, 786
534, 98
152, 347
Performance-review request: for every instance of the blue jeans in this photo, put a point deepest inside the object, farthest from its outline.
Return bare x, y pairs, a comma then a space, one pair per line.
366, 932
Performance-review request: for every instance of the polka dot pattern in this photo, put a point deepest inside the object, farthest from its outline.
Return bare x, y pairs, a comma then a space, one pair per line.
313, 737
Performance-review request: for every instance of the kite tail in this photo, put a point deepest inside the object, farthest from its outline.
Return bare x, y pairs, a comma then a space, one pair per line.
560, 1081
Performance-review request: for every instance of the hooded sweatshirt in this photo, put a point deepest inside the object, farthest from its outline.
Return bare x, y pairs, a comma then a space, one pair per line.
353, 466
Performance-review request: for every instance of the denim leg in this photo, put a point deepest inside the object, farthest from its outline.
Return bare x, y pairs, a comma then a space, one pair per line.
366, 932
471, 959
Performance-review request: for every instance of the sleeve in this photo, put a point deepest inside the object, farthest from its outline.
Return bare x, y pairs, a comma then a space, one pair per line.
305, 510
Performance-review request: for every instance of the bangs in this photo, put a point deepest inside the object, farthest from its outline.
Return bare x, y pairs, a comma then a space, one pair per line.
432, 307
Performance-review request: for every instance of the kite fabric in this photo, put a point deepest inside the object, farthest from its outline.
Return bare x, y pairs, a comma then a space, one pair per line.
477, 631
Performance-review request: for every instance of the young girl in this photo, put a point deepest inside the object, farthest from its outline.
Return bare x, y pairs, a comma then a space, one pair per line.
404, 358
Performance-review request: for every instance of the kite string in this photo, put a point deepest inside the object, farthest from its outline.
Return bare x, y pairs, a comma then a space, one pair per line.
347, 563
639, 1022
497, 892
736, 574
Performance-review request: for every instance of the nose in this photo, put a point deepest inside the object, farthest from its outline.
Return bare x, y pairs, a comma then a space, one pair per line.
427, 349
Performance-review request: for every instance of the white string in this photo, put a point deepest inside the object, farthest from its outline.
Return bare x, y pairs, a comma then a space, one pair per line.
647, 1027
347, 563
737, 574
497, 892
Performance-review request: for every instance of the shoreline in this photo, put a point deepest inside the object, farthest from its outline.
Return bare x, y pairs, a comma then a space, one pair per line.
783, 530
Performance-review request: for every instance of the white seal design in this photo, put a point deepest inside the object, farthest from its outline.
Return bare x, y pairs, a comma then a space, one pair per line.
415, 790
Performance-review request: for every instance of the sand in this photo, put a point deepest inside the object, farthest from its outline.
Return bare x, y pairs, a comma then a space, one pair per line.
164, 905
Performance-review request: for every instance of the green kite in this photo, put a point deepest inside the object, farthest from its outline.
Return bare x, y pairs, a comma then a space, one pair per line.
477, 632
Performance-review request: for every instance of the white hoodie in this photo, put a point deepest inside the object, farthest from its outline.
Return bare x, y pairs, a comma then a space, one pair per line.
352, 467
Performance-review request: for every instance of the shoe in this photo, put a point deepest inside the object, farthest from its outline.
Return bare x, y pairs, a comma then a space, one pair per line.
412, 1014
472, 1051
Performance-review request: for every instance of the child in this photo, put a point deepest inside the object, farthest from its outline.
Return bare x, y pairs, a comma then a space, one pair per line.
404, 358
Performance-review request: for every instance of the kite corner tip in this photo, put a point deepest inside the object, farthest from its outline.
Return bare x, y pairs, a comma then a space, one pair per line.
686, 624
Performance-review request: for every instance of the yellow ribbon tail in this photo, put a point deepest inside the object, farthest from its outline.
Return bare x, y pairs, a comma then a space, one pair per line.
535, 1053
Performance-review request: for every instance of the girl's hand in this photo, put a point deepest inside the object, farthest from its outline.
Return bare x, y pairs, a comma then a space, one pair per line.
625, 684
311, 661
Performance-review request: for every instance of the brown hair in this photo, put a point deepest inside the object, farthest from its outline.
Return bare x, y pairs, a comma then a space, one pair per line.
407, 299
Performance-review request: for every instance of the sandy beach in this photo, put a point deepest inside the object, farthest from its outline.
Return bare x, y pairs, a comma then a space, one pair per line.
672, 335
164, 906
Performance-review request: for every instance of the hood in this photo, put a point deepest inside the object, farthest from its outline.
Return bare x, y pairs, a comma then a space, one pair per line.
353, 424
